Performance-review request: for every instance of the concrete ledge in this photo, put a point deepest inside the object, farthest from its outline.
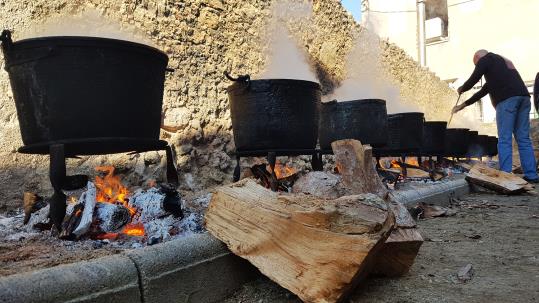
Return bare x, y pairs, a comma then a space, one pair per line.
198, 268
108, 279
436, 193
195, 269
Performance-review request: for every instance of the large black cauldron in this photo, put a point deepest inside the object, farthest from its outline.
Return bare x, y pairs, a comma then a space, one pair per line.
405, 134
88, 93
456, 142
274, 114
433, 138
364, 120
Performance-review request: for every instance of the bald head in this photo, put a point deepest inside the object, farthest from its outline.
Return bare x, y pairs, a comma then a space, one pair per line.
479, 54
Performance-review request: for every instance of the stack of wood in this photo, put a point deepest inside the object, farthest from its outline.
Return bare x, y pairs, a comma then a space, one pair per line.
317, 245
496, 180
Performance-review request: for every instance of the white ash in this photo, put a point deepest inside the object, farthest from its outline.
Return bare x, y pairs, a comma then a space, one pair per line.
159, 228
40, 216
149, 204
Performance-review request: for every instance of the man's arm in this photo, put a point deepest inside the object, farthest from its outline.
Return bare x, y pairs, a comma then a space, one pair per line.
478, 72
476, 97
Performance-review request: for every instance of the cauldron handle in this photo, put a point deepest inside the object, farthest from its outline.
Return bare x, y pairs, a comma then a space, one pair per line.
242, 78
5, 38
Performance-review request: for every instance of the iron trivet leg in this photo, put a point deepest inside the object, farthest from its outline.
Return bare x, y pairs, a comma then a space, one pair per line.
316, 162
57, 175
237, 169
172, 172
272, 159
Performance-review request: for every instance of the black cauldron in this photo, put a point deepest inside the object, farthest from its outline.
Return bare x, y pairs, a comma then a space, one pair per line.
274, 114
433, 138
85, 89
492, 149
474, 148
456, 142
363, 120
405, 134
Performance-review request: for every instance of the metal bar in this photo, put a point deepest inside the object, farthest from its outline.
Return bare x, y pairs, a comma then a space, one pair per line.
272, 159
422, 41
57, 175
237, 169
172, 172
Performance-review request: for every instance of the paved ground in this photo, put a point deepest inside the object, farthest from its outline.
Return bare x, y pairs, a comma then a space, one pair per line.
497, 235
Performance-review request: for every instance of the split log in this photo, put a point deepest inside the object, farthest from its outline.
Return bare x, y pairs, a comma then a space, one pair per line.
401, 248
355, 164
398, 253
320, 184
88, 198
498, 181
318, 249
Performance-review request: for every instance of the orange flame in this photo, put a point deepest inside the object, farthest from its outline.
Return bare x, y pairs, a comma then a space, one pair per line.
136, 230
111, 190
282, 171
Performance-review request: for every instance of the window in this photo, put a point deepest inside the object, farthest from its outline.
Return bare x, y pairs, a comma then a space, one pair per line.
437, 20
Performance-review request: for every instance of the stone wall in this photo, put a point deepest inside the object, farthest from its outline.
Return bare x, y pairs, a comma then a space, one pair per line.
202, 38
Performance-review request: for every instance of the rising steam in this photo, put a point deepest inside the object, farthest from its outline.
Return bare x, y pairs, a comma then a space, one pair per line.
365, 77
89, 22
285, 59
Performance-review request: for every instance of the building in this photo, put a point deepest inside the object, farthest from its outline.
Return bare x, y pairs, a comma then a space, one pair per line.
455, 29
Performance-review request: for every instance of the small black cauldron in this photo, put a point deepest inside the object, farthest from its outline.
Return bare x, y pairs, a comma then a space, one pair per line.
405, 135
363, 120
433, 138
274, 114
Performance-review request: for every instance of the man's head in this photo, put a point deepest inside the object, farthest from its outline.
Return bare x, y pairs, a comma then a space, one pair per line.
478, 55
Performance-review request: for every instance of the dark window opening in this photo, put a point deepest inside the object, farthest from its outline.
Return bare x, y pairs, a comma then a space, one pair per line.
436, 12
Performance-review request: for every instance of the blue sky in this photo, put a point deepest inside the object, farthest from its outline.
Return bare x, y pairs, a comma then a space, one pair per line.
353, 6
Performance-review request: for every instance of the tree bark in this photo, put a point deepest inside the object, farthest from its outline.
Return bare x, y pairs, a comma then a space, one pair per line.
318, 249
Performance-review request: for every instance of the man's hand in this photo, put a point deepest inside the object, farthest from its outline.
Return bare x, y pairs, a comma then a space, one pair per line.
460, 90
458, 108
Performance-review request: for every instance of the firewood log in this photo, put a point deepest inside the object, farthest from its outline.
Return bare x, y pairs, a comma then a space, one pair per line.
401, 248
89, 200
318, 249
355, 164
498, 181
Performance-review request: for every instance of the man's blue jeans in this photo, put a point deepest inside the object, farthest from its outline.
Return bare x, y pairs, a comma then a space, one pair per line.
513, 117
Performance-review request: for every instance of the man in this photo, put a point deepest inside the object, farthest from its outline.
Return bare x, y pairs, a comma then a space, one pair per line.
536, 93
511, 99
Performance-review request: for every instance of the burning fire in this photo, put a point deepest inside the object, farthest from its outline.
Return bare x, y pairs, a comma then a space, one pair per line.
410, 161
111, 190
282, 171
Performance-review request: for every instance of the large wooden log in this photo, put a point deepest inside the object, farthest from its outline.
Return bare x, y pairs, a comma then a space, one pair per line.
355, 164
401, 248
318, 249
498, 181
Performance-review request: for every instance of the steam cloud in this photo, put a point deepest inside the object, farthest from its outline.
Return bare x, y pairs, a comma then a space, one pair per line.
89, 22
366, 78
285, 59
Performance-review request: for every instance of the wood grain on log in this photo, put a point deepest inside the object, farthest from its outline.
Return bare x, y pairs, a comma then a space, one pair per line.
355, 164
398, 253
499, 181
318, 249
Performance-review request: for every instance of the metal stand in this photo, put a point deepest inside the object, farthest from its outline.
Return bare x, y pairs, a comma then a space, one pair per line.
60, 181
317, 163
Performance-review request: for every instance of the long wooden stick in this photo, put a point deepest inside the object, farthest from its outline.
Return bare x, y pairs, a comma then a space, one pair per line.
451, 118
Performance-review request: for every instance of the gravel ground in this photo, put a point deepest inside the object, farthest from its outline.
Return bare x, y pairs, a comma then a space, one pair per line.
497, 235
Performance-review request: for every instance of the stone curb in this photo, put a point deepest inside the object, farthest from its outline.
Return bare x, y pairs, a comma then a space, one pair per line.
437, 194
106, 279
197, 268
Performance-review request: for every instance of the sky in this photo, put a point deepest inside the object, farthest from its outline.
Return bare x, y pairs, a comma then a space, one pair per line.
353, 6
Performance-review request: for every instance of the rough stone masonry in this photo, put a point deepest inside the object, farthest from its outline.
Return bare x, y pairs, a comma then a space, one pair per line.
202, 39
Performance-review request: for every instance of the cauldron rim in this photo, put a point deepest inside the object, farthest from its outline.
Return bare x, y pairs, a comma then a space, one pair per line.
71, 40
272, 81
354, 101
405, 114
